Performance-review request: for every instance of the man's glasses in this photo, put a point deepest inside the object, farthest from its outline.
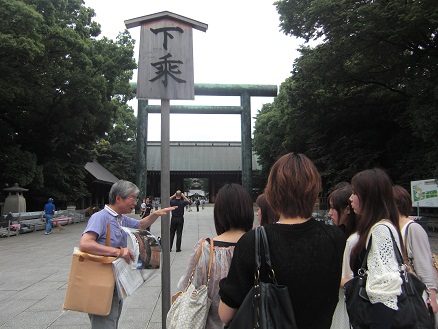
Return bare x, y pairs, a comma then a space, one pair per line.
133, 198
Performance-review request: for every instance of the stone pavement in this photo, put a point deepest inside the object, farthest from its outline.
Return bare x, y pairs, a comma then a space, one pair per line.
34, 270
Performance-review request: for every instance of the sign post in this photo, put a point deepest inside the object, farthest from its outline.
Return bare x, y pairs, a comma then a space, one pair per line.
424, 193
165, 71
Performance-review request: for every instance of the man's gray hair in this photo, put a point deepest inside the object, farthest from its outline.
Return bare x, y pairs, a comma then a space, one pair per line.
123, 188
178, 193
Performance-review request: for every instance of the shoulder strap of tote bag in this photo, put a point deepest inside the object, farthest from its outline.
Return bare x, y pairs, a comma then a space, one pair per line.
100, 259
198, 255
258, 256
260, 231
365, 259
197, 261
406, 236
108, 235
211, 259
261, 234
266, 247
405, 247
397, 251
394, 245
256, 288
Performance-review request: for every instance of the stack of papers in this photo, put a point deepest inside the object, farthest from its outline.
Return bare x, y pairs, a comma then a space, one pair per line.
146, 264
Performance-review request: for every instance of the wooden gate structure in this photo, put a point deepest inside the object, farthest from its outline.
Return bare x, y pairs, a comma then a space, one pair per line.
244, 91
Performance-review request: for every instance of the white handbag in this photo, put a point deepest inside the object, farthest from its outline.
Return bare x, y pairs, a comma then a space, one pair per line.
190, 308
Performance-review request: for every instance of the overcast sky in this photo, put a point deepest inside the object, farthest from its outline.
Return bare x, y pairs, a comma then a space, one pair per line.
242, 45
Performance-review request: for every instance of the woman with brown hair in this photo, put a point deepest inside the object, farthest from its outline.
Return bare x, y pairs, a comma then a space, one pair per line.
417, 245
265, 214
343, 216
306, 254
341, 213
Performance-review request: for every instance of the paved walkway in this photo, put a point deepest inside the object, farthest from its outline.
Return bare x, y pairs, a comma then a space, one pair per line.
34, 270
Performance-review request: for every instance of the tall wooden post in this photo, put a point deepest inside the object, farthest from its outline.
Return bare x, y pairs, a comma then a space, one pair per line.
165, 71
165, 202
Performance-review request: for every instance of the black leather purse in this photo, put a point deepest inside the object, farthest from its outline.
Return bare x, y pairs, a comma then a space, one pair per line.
412, 311
267, 304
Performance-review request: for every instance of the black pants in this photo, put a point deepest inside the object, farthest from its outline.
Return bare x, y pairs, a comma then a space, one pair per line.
146, 215
176, 225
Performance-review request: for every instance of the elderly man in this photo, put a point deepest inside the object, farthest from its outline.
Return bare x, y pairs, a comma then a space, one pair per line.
123, 198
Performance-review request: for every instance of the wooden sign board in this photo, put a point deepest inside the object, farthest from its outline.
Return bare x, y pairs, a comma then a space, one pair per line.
165, 68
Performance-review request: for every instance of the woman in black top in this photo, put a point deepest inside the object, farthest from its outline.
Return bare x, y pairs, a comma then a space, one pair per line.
306, 254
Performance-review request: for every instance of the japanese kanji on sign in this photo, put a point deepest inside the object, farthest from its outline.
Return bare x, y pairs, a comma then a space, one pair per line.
165, 68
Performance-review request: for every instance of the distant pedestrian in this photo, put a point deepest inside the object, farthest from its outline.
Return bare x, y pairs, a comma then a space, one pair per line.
189, 206
177, 220
156, 204
49, 211
147, 211
197, 203
142, 208
203, 203
91, 210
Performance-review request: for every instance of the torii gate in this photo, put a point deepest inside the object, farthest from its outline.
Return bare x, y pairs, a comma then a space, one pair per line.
244, 91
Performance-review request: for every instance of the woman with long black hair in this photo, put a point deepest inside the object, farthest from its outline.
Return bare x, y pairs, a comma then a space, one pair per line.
373, 201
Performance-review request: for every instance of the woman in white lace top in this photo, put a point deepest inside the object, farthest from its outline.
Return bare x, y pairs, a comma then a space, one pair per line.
233, 217
373, 201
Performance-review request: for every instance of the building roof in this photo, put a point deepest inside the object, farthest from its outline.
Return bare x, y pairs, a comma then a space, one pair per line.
199, 156
100, 174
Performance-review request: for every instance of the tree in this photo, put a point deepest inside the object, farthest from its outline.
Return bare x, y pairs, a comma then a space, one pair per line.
268, 136
117, 150
365, 95
62, 87
343, 126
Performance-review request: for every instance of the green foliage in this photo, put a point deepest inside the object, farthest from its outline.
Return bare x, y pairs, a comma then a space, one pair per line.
202, 182
365, 96
117, 151
269, 136
20, 167
61, 90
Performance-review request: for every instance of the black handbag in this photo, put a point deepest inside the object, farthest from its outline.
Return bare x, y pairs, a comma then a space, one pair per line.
267, 304
412, 312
